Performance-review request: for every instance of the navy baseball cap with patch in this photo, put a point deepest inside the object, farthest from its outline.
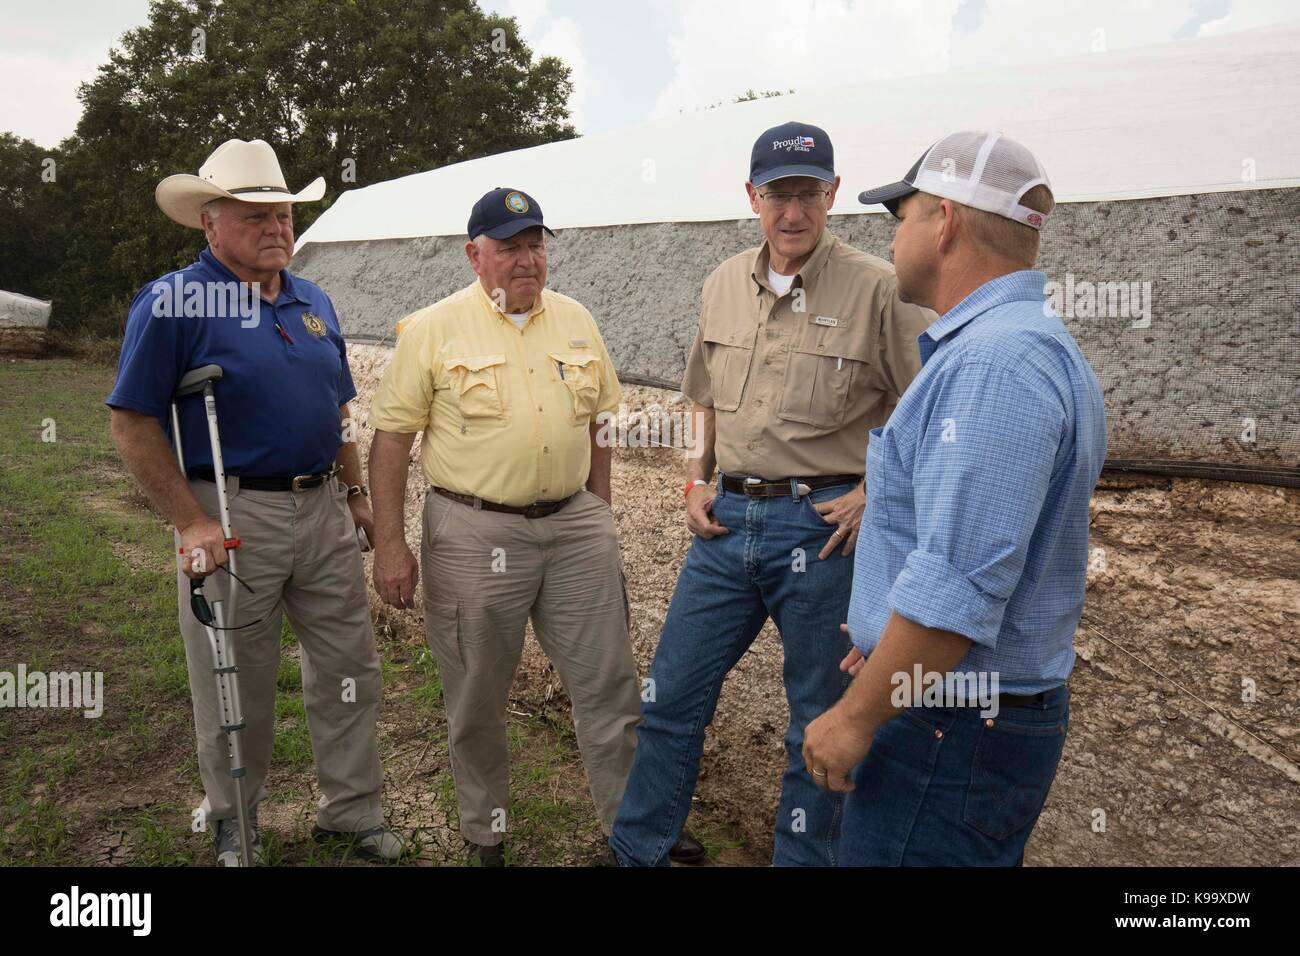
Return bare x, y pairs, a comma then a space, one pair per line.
792, 149
503, 212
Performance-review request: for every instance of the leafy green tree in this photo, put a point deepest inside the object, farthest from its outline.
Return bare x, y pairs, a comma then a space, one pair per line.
357, 91
29, 217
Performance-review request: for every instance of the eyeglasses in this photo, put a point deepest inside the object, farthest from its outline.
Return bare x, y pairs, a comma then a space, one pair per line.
202, 611
808, 199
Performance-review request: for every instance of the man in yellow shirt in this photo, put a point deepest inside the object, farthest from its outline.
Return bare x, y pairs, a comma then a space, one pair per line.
505, 379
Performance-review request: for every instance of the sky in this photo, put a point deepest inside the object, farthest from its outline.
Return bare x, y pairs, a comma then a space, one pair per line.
636, 60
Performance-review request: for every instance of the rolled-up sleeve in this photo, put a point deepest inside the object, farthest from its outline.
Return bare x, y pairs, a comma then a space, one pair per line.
404, 399
982, 468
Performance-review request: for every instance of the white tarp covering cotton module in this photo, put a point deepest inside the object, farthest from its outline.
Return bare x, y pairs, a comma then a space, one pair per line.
1174, 252
1190, 116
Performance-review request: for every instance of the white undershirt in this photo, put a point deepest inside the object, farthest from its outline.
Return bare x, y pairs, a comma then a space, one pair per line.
518, 318
780, 284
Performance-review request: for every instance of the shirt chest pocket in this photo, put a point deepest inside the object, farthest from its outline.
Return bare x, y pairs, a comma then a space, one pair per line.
729, 354
822, 375
579, 372
476, 385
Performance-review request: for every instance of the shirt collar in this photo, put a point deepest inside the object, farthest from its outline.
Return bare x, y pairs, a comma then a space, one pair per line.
807, 273
288, 287
1025, 285
539, 304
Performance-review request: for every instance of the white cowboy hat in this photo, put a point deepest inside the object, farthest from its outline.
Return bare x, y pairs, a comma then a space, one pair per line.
247, 171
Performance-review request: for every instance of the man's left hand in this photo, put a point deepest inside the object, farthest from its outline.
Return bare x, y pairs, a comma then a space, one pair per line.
845, 511
833, 745
359, 505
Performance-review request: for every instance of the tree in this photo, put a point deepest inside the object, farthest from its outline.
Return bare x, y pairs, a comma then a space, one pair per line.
28, 217
371, 89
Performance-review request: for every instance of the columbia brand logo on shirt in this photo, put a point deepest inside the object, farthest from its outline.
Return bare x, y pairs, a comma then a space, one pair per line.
826, 320
800, 144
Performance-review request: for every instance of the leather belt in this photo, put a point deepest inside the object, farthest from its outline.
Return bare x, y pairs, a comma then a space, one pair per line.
538, 509
274, 482
1019, 700
782, 487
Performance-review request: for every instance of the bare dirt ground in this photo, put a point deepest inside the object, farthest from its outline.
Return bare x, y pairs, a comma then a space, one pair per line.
1193, 591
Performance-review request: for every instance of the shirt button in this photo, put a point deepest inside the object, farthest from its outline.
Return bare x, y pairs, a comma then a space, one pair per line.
821, 348
530, 371
543, 489
989, 722
539, 408
938, 733
546, 450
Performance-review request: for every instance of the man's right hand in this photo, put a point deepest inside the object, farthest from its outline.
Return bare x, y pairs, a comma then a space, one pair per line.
203, 540
396, 573
699, 512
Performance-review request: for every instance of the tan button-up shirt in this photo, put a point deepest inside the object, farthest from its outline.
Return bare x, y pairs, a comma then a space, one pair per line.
796, 382
506, 413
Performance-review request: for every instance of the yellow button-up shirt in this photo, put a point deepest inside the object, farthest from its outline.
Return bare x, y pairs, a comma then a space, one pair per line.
506, 413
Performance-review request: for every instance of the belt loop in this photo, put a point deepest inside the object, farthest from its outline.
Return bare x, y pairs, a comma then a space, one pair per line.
478, 503
794, 488
722, 485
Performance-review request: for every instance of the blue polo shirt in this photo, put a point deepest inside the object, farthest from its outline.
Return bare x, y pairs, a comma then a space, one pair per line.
285, 369
978, 489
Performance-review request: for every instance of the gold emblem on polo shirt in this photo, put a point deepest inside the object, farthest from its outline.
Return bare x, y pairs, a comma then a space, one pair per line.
315, 325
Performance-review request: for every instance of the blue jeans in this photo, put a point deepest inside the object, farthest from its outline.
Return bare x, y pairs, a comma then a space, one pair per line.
943, 786
728, 587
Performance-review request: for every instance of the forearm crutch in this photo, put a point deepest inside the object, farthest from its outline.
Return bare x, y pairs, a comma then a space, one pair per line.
214, 620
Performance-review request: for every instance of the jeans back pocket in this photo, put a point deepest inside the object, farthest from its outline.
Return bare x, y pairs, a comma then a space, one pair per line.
1012, 769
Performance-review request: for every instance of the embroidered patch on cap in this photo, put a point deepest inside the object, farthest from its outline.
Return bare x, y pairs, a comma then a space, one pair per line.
516, 203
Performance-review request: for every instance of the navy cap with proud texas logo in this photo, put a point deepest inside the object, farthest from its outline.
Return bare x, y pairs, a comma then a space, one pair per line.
792, 149
503, 212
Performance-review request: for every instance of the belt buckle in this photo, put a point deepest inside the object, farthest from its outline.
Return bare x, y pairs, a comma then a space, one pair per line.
296, 484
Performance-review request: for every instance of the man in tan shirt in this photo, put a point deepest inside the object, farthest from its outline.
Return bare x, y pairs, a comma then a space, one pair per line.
505, 379
803, 347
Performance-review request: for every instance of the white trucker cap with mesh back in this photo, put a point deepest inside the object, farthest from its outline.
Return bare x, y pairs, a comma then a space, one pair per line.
977, 168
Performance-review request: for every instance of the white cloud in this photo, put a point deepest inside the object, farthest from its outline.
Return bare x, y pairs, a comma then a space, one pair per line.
727, 47
47, 109
1248, 15
549, 35
724, 47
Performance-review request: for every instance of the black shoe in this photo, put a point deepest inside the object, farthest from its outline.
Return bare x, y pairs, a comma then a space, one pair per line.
479, 855
688, 850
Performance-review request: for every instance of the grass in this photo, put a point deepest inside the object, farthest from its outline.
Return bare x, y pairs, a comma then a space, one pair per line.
86, 575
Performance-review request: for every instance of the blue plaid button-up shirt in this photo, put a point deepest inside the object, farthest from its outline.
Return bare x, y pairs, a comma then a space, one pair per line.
978, 489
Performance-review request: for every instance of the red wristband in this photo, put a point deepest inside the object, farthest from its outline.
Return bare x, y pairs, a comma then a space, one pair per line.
686, 492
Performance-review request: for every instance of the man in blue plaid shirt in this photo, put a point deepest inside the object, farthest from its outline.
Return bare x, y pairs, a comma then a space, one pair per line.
972, 559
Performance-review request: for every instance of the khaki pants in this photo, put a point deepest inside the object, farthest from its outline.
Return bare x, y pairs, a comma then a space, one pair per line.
485, 573
300, 556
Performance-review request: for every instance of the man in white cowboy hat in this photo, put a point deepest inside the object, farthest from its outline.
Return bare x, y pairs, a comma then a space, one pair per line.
294, 486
